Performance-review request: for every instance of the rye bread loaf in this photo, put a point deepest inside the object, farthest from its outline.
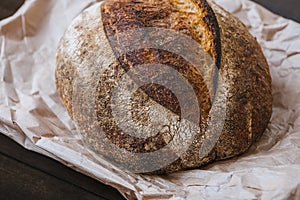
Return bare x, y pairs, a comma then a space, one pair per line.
121, 44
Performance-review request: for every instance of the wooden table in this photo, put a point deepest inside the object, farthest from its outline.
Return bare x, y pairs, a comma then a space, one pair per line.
28, 175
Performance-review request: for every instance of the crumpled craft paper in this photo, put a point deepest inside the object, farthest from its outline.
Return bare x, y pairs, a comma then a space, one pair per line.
32, 114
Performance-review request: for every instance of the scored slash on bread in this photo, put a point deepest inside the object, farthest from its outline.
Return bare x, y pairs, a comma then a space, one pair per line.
91, 63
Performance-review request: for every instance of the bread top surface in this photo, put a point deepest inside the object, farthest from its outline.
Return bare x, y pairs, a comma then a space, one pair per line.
87, 49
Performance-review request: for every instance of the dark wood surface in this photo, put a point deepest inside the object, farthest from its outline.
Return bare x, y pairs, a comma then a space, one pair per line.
27, 175
287, 8
8, 7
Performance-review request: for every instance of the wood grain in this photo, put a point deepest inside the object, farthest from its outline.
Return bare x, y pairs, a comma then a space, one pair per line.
27, 175
19, 180
24, 172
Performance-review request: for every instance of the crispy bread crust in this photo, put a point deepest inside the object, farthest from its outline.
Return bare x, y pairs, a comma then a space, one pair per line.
237, 55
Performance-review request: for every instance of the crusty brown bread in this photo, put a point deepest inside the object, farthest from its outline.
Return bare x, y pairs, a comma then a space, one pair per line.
232, 90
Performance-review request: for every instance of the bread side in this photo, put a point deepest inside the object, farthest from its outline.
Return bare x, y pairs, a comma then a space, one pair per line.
247, 72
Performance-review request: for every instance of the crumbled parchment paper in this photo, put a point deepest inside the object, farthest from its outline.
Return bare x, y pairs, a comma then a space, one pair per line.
33, 115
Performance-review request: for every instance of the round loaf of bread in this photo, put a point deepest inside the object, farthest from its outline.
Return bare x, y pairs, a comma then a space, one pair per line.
160, 86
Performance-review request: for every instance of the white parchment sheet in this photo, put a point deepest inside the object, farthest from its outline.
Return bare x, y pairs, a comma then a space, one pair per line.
31, 112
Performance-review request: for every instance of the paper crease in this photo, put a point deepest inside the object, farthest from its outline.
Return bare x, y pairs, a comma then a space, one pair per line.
32, 114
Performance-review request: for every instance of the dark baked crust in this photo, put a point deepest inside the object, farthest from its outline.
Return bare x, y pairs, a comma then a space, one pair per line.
246, 91
159, 14
248, 74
